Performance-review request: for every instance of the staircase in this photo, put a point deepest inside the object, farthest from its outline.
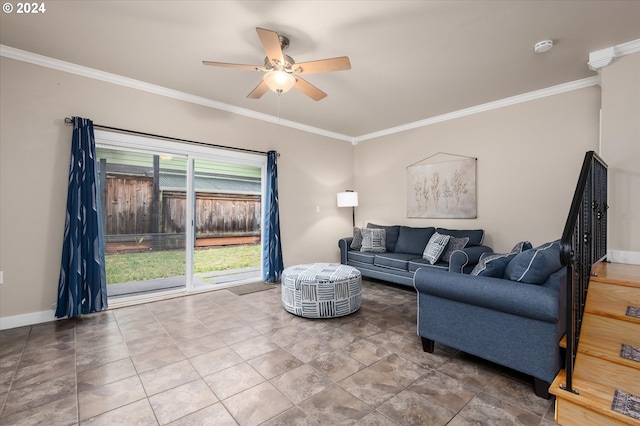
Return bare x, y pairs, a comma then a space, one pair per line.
599, 369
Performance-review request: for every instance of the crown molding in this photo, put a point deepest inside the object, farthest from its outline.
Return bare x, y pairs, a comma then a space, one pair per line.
33, 58
44, 61
526, 97
602, 58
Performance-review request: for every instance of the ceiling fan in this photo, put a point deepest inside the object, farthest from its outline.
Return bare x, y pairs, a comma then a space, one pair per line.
281, 72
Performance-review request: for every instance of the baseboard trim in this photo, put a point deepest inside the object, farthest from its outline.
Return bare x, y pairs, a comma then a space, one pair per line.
619, 256
27, 319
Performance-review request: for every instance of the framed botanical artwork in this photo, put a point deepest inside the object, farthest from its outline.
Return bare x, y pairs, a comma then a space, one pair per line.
445, 189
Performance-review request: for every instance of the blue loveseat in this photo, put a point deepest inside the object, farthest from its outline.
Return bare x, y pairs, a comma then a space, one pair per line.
404, 247
512, 314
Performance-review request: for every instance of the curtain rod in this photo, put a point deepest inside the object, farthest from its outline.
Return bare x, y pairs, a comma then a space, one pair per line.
68, 120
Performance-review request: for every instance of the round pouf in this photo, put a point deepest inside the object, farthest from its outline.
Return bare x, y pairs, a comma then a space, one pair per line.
321, 290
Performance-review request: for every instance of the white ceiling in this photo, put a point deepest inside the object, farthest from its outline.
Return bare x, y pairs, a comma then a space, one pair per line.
411, 60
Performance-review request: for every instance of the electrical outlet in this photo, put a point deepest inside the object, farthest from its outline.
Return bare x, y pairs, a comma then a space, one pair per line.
1, 277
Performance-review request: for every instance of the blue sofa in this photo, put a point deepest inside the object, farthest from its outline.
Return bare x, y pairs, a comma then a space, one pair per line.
512, 313
403, 253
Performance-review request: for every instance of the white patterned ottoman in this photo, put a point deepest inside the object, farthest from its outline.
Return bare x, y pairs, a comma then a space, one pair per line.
321, 290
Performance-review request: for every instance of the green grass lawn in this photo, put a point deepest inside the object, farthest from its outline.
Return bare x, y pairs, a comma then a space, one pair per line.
126, 267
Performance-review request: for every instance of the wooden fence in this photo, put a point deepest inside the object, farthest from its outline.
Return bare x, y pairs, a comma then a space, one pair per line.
132, 223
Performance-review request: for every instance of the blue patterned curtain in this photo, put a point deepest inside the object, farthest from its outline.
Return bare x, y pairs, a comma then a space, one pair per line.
271, 247
82, 286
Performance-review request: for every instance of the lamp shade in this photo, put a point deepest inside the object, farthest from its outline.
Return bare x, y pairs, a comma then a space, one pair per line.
279, 81
348, 199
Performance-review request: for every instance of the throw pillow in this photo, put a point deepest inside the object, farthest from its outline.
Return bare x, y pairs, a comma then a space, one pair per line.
453, 245
374, 240
535, 265
392, 233
435, 247
521, 246
356, 243
492, 265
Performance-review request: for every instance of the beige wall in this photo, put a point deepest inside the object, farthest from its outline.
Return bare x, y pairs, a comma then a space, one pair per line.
529, 157
34, 156
621, 151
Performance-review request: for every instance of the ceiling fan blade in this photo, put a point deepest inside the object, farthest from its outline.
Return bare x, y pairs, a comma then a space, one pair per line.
309, 89
271, 44
260, 90
323, 65
239, 66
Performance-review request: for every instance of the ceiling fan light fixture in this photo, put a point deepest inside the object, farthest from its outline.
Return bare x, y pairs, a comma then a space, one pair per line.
279, 81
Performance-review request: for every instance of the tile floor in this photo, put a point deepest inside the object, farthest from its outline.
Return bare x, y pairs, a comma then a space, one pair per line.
222, 359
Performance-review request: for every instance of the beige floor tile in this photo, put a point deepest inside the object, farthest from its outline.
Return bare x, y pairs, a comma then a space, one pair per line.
336, 365
101, 399
156, 359
62, 411
138, 413
410, 409
485, 409
335, 406
275, 363
301, 383
213, 415
181, 401
33, 374
254, 347
233, 380
215, 361
35, 395
105, 373
256, 405
167, 377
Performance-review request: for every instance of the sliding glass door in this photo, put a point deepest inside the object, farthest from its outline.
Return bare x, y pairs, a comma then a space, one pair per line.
227, 222
178, 217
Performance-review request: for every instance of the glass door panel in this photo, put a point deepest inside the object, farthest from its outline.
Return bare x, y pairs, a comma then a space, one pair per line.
227, 218
144, 207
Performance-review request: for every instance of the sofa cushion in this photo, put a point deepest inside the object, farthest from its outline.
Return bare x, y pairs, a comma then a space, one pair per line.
413, 240
415, 264
494, 264
434, 249
374, 240
453, 245
392, 234
535, 265
360, 257
398, 261
356, 243
475, 235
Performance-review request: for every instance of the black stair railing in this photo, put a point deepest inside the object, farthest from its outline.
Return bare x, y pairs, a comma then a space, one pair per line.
583, 243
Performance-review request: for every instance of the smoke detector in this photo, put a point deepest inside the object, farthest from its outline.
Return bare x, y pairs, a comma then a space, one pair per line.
543, 46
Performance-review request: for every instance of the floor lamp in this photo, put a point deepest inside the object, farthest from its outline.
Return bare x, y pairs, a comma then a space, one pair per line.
349, 198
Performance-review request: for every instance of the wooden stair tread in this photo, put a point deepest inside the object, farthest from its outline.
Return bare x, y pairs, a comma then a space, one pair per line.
602, 337
612, 300
623, 274
608, 374
595, 397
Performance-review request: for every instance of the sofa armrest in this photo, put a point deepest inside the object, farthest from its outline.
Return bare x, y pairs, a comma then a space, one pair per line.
344, 244
466, 257
524, 300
